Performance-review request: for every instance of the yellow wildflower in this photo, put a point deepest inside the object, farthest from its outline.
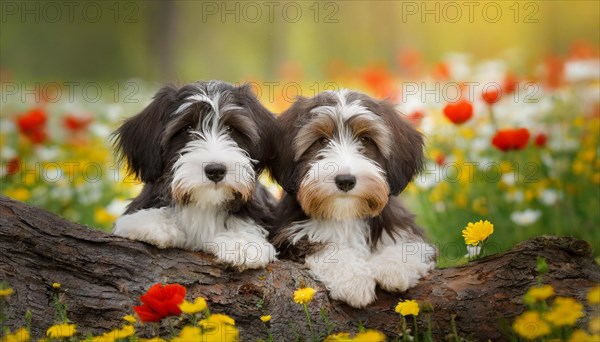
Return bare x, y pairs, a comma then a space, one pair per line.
343, 336
21, 335
216, 320
154, 339
475, 233
370, 336
409, 307
20, 194
115, 334
593, 297
56, 286
129, 318
539, 293
61, 330
6, 292
220, 332
101, 216
190, 308
304, 295
594, 325
564, 312
530, 325
582, 336
265, 318
188, 333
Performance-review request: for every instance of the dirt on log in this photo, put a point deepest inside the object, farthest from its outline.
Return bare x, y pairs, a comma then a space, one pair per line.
102, 277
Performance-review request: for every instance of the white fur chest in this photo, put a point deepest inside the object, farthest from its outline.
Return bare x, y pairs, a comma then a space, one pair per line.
347, 233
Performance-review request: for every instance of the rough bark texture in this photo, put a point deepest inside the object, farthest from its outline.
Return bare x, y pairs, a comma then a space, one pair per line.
102, 277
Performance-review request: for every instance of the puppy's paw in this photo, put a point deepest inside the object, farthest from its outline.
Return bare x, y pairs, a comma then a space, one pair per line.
399, 276
243, 253
357, 292
259, 255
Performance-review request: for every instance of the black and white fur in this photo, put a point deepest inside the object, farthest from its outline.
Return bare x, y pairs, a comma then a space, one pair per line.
342, 159
199, 150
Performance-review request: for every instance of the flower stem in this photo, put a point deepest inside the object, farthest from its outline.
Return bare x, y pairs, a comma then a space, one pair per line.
416, 333
493, 118
312, 334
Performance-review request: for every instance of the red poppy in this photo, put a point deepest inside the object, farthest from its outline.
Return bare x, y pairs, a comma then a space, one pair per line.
379, 81
160, 301
440, 159
510, 84
491, 95
77, 122
416, 117
459, 112
32, 124
12, 166
441, 72
540, 140
511, 139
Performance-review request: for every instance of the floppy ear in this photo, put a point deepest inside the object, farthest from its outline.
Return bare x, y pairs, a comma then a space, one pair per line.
138, 139
284, 168
407, 157
265, 123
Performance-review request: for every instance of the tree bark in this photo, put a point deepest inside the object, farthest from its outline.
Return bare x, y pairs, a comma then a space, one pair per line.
102, 277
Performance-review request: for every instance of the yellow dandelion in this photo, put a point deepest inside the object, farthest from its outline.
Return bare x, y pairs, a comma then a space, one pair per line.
409, 307
539, 293
20, 335
188, 333
265, 318
102, 216
56, 286
61, 330
304, 295
530, 325
6, 292
20, 194
564, 312
130, 318
216, 319
339, 337
370, 336
594, 325
593, 297
475, 233
582, 336
190, 308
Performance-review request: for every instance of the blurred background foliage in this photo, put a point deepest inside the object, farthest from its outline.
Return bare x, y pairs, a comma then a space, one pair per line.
55, 148
233, 40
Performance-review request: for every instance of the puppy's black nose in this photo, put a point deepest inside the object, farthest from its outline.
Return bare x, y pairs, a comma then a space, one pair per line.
215, 171
345, 182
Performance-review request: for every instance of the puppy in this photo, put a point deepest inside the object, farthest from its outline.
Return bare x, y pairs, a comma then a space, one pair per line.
199, 150
342, 159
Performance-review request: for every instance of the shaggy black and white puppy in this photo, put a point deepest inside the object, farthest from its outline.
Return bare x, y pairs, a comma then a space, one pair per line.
199, 150
342, 159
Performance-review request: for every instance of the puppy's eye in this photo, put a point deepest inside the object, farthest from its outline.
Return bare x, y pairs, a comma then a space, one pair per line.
228, 129
324, 141
365, 140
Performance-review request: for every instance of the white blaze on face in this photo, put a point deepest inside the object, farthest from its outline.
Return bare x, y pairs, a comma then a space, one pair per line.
212, 144
319, 193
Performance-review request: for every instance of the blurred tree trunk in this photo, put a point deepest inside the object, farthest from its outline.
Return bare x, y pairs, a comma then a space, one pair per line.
102, 277
162, 37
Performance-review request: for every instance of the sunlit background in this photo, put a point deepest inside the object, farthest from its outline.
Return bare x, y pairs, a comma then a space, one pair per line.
71, 72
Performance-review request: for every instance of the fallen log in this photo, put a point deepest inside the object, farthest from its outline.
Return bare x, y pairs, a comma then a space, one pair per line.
102, 277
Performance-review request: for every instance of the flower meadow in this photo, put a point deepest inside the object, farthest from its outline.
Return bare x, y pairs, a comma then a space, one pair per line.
172, 317
516, 144
512, 153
